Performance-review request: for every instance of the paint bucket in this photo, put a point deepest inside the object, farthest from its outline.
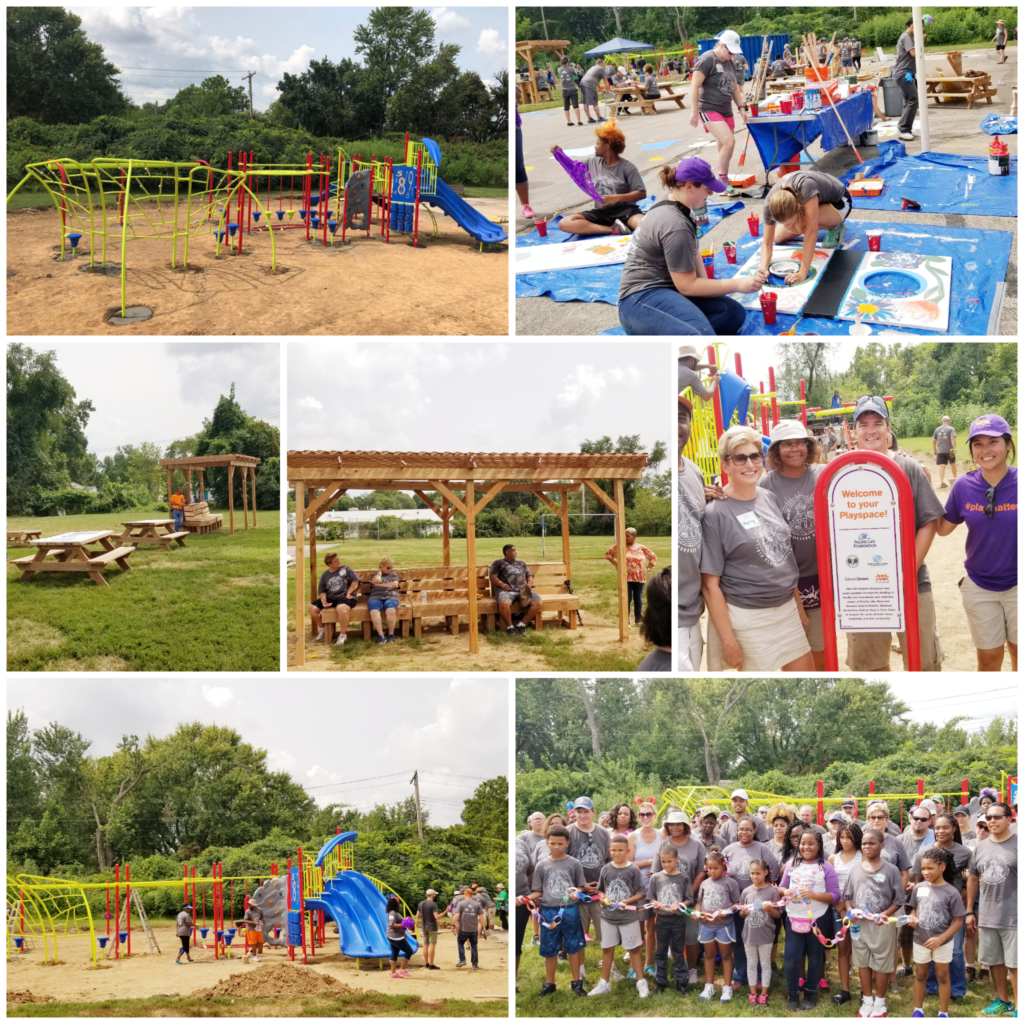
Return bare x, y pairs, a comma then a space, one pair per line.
870, 138
542, 227
812, 98
998, 158
768, 302
875, 240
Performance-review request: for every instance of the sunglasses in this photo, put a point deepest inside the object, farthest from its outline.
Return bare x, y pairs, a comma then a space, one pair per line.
921, 819
646, 814
994, 817
990, 502
742, 460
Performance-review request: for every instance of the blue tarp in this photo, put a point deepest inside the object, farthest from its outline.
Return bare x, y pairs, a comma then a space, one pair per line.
857, 115
618, 45
596, 284
751, 47
940, 182
999, 124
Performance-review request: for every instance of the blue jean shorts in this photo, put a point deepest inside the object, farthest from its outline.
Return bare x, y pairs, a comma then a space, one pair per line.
375, 604
569, 931
711, 932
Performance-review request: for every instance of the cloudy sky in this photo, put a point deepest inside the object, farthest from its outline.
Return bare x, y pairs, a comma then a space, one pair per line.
162, 49
948, 695
514, 397
161, 391
381, 727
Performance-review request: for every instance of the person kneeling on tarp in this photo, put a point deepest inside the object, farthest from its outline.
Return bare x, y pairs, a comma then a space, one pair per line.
665, 288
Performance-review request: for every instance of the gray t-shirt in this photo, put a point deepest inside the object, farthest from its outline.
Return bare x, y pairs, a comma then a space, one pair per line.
183, 924
857, 50
529, 839
382, 593
795, 497
591, 849
668, 889
717, 894
761, 831
936, 907
873, 891
619, 884
716, 840
427, 910
927, 507
961, 858
554, 878
335, 584
1000, 35
807, 185
657, 661
566, 77
758, 925
691, 379
513, 573
395, 930
523, 866
747, 545
905, 60
995, 864
716, 91
913, 845
739, 858
469, 913
690, 857
593, 78
614, 180
665, 243
845, 52
690, 498
895, 852
944, 437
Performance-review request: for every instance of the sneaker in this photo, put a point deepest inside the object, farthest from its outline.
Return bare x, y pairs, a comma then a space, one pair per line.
396, 975
650, 972
520, 628
970, 972
461, 963
341, 639
602, 119
917, 1013
941, 1014
983, 974
528, 211
692, 976
535, 941
942, 485
511, 631
591, 120
823, 984
793, 1003
602, 988
320, 635
476, 967
631, 975
867, 1007
726, 993
834, 236
659, 989
404, 973
841, 997
546, 989
642, 989
753, 999
577, 987
906, 136
762, 999
622, 228
562, 957
709, 991
880, 1010
810, 1000
178, 962
616, 974
997, 1008
902, 971
391, 638
568, 124
381, 640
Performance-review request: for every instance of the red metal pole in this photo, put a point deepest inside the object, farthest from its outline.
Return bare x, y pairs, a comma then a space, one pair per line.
387, 236
245, 901
242, 163
405, 152
771, 388
193, 904
716, 403
964, 798
326, 198
307, 192
416, 213
108, 915
920, 782
302, 907
255, 188
739, 364
821, 804
803, 405
344, 215
871, 786
128, 904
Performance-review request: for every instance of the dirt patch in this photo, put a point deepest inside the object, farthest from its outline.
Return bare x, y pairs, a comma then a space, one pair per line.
21, 998
25, 635
444, 288
269, 981
253, 581
97, 663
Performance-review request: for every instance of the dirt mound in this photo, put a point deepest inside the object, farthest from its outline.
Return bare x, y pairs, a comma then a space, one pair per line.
269, 981
21, 998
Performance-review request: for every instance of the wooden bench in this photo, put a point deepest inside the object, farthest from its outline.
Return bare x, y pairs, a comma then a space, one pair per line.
22, 538
442, 592
161, 532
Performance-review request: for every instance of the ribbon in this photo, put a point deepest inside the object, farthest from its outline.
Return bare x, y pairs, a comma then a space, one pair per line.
579, 174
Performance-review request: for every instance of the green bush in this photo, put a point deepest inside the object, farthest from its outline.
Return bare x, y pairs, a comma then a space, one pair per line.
920, 420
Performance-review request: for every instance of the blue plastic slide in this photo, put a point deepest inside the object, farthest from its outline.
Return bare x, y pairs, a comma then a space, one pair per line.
464, 215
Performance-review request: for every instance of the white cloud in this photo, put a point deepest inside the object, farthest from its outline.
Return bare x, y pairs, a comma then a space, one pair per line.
490, 41
219, 696
448, 20
310, 403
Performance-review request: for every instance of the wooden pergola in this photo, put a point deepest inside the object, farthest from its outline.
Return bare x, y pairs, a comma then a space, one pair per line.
477, 477
526, 48
200, 463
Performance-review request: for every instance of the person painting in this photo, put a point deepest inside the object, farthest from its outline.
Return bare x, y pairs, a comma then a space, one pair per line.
338, 588
183, 929
986, 500
638, 560
570, 95
619, 184
716, 86
801, 205
665, 288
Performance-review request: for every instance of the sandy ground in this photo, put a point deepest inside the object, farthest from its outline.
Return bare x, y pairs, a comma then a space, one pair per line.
366, 288
945, 563
143, 975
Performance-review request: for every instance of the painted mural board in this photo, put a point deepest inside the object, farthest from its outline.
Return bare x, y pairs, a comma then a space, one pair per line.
604, 251
791, 298
900, 289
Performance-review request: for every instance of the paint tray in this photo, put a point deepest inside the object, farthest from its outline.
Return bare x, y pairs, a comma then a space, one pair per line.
866, 187
742, 180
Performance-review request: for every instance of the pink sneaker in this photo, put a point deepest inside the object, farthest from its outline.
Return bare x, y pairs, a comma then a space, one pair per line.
528, 211
753, 999
396, 975
823, 983
762, 1000
404, 973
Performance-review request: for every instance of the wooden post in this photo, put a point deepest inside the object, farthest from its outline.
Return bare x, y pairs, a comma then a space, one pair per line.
300, 572
470, 500
564, 499
231, 490
202, 486
620, 540
446, 532
170, 475
245, 499
312, 545
252, 470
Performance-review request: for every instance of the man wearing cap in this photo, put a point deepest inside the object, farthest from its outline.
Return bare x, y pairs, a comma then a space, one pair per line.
591, 846
691, 503
689, 364
944, 449
739, 812
1000, 40
426, 915
869, 652
183, 929
708, 832
253, 920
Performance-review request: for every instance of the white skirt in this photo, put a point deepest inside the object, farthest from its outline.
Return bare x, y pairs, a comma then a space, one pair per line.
768, 637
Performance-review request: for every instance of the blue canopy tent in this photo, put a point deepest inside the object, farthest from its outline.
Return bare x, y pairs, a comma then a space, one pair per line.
619, 45
750, 45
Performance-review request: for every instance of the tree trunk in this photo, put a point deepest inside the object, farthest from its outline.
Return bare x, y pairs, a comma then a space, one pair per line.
588, 703
679, 27
101, 858
544, 22
104, 853
618, 21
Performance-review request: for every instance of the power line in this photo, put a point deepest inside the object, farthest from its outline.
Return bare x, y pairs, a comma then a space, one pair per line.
928, 700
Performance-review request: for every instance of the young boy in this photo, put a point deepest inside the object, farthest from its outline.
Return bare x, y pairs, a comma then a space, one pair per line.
666, 888
717, 892
338, 588
622, 884
552, 880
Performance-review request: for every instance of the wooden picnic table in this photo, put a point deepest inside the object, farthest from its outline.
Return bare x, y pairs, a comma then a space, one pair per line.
69, 552
151, 531
960, 87
636, 90
22, 538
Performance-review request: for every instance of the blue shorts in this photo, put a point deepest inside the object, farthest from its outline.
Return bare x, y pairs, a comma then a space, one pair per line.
711, 932
569, 930
375, 604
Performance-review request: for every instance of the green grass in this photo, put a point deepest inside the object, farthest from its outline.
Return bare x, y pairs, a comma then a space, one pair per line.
623, 1000
483, 192
212, 606
25, 200
924, 444
370, 1004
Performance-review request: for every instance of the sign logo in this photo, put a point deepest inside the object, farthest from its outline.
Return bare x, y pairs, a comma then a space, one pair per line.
881, 577
852, 561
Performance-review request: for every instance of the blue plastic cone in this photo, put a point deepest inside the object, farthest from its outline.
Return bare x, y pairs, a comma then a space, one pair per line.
232, 228
302, 214
280, 215
332, 226
256, 215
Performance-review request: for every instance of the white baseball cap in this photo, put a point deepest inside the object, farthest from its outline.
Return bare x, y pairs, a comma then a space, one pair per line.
731, 40
739, 792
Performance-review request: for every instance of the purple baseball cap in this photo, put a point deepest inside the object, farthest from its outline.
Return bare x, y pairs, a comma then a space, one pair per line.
700, 172
989, 425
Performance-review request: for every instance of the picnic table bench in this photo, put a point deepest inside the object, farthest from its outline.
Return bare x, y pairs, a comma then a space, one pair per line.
22, 538
69, 552
151, 531
442, 592
645, 105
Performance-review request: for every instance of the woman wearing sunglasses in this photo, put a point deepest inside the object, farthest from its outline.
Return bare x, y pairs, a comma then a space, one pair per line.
644, 843
986, 500
748, 570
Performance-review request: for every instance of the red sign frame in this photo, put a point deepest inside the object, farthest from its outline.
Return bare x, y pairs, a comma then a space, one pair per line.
905, 504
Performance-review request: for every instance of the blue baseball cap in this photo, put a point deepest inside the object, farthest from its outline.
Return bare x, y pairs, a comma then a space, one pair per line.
871, 403
989, 425
700, 172
583, 803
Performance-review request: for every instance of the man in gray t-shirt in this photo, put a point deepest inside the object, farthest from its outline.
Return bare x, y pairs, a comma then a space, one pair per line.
992, 873
590, 86
509, 579
566, 75
904, 72
944, 449
691, 503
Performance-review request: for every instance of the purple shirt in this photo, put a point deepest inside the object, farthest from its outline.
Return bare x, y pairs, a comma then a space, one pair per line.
991, 543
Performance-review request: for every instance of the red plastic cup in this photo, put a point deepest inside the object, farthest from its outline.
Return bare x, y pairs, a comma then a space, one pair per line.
542, 227
730, 253
754, 223
798, 100
875, 241
768, 301
786, 106
753, 110
709, 265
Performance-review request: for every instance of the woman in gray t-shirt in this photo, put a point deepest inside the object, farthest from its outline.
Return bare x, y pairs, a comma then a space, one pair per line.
748, 570
664, 287
1000, 40
715, 87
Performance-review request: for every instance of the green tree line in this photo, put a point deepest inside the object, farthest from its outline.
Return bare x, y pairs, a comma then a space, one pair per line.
614, 739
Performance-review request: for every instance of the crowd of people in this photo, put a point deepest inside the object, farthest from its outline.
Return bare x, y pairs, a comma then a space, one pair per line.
935, 901
748, 551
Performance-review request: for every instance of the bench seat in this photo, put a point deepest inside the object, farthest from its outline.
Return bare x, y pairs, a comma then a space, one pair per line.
106, 557
25, 560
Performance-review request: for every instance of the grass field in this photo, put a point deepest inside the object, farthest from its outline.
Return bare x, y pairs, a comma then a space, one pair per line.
212, 606
593, 647
623, 1000
924, 444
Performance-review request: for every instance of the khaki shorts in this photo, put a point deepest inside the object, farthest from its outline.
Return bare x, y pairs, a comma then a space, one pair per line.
590, 914
991, 614
875, 947
997, 946
870, 651
768, 637
815, 633
628, 935
942, 955
428, 938
691, 646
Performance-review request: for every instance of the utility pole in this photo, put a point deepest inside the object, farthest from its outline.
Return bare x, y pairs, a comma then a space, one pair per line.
419, 818
249, 76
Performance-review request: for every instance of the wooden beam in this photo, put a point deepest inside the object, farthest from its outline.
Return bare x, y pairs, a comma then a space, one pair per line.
245, 497
548, 472
602, 495
547, 501
413, 485
446, 531
326, 506
312, 551
439, 486
170, 474
231, 498
620, 559
300, 573
474, 624
564, 495
252, 470
494, 489
426, 501
326, 498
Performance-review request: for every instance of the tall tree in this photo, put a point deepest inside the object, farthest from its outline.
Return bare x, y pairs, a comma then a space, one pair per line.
23, 788
587, 696
485, 813
213, 97
711, 711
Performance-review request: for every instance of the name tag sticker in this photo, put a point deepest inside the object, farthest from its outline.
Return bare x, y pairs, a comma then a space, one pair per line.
748, 520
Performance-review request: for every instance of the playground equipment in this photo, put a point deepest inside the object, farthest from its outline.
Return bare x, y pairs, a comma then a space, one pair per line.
110, 200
